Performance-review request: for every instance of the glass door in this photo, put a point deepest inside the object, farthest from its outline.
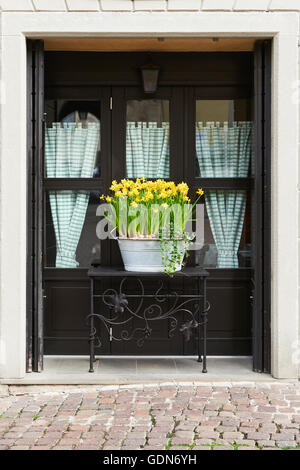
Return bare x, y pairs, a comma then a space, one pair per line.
223, 151
147, 141
160, 135
219, 138
148, 138
76, 173
147, 133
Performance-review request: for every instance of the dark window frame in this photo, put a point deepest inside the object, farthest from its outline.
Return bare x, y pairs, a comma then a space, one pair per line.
237, 78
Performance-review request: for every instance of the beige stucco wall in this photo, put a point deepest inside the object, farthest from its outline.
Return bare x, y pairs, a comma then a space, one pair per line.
260, 18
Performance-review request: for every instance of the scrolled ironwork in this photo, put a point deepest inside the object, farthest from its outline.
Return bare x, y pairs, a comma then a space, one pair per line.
123, 314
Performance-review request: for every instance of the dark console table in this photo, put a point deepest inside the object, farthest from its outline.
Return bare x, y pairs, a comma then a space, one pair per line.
164, 305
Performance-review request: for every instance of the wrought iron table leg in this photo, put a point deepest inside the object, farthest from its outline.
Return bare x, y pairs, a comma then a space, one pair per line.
92, 330
199, 320
204, 321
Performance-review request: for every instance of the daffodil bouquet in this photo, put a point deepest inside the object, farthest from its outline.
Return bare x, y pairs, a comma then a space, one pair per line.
149, 209
158, 211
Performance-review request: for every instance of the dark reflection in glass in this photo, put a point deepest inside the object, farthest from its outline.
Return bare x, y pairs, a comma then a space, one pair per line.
152, 110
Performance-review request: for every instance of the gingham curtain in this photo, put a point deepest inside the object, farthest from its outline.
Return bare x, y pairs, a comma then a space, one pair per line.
70, 152
147, 150
224, 151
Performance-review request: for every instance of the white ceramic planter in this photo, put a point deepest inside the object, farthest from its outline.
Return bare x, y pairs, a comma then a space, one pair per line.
144, 254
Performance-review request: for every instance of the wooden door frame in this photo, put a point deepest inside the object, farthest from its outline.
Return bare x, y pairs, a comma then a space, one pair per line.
35, 150
262, 214
35, 318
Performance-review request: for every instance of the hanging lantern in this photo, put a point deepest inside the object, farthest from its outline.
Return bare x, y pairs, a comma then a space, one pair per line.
150, 74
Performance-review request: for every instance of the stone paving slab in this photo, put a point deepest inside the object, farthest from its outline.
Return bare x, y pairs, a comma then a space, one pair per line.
111, 370
200, 416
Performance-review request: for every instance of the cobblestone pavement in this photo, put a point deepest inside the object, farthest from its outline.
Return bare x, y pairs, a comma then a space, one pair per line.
167, 416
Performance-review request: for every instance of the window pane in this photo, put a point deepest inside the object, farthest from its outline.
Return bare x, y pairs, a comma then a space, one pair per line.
71, 221
223, 138
72, 139
227, 230
147, 139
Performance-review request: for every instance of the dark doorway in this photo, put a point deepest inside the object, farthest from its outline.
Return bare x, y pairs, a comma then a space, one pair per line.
104, 90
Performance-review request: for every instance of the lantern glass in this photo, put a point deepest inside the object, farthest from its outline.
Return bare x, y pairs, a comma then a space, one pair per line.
150, 78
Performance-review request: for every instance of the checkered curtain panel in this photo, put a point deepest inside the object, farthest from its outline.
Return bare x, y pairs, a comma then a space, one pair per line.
70, 152
147, 150
225, 151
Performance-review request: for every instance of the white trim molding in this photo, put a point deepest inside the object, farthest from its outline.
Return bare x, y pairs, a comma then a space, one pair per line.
282, 27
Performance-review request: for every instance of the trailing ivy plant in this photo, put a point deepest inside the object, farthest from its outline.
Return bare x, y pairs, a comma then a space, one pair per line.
171, 255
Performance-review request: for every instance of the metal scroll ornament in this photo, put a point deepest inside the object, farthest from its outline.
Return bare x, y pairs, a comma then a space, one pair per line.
164, 306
